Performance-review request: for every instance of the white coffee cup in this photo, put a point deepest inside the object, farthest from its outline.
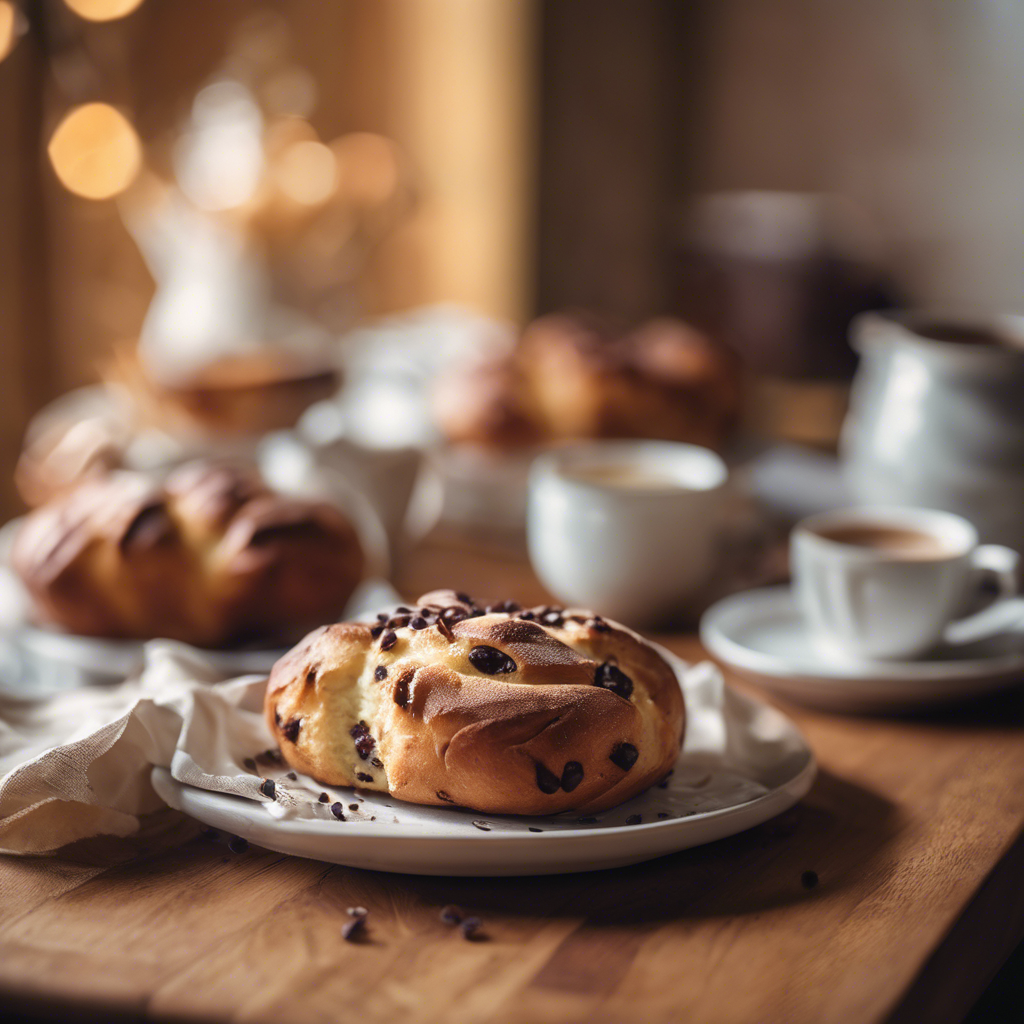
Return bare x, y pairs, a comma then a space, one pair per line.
627, 528
884, 583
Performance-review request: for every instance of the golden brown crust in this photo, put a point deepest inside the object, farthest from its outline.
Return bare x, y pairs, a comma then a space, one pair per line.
211, 557
503, 711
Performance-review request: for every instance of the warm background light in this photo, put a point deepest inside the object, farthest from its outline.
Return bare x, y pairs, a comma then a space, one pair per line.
95, 151
306, 172
102, 10
8, 27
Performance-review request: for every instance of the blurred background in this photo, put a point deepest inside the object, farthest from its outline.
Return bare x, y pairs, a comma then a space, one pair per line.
182, 172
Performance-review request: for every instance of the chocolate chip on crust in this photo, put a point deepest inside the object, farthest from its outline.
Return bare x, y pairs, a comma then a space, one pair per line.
388, 640
418, 622
290, 729
598, 625
376, 631
380, 673
364, 742
442, 795
401, 691
547, 781
491, 660
363, 777
611, 677
572, 775
444, 629
624, 756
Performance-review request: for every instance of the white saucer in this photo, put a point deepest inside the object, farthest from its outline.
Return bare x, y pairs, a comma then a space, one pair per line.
761, 635
743, 762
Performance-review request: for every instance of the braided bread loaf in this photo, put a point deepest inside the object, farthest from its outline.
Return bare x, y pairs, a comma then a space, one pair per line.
211, 557
502, 710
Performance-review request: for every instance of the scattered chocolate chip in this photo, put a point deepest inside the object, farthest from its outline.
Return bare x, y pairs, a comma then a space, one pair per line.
401, 609
532, 829
399, 621
250, 764
292, 776
388, 640
587, 821
418, 622
268, 789
611, 677
664, 814
353, 807
363, 777
634, 819
461, 595
238, 844
482, 825
451, 914
373, 817
376, 631
547, 781
471, 928
323, 798
358, 912
380, 673
376, 762
572, 775
351, 930
491, 660
442, 795
624, 756
338, 811
445, 630
382, 616
809, 879
269, 757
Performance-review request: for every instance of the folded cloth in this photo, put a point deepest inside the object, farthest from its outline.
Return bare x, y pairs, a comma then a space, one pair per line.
78, 764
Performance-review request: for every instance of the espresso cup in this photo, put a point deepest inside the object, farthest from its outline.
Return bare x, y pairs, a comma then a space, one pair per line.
629, 529
884, 583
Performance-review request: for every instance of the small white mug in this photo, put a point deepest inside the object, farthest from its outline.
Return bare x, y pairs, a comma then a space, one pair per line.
884, 583
627, 528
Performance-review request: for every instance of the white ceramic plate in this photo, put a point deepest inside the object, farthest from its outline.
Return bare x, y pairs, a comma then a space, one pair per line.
761, 635
761, 766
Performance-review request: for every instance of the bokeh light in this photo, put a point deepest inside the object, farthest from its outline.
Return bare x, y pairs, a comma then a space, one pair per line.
95, 151
9, 27
306, 172
369, 167
102, 10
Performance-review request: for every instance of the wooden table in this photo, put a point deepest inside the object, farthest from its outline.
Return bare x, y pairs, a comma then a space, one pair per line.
914, 829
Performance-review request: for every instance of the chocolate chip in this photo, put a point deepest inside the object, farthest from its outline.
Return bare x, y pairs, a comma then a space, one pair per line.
323, 798
269, 757
311, 676
587, 821
611, 677
401, 691
353, 807
382, 616
809, 879
250, 764
598, 625
418, 622
399, 621
238, 844
624, 756
547, 781
528, 616
376, 631
634, 819
403, 609
268, 788
388, 640
552, 618
363, 777
351, 930
338, 811
290, 729
376, 762
445, 630
442, 795
664, 814
380, 673
292, 776
572, 775
482, 825
532, 829
471, 928
451, 914
364, 742
358, 912
462, 596
491, 660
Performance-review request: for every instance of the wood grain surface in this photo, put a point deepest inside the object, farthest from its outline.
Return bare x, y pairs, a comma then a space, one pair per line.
913, 830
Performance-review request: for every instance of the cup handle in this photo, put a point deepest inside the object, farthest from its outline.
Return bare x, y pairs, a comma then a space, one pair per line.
988, 562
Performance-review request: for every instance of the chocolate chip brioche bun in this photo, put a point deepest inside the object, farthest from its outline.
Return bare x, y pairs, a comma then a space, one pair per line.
502, 710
